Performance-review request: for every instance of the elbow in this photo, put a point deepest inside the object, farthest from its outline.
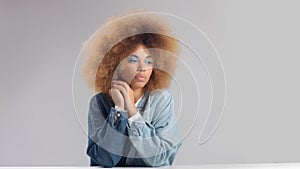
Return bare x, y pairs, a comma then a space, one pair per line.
102, 158
164, 159
159, 160
104, 164
99, 161
108, 164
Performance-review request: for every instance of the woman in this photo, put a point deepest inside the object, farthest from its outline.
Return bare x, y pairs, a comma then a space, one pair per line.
131, 117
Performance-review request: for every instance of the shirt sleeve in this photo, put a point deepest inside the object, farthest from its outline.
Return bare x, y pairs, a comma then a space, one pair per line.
107, 134
158, 141
134, 118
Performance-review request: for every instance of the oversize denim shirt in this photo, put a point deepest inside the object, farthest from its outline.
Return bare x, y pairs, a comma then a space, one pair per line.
151, 139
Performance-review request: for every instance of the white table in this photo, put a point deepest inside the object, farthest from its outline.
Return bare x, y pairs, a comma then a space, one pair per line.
212, 166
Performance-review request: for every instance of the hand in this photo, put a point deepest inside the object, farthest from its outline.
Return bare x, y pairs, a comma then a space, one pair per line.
117, 97
128, 96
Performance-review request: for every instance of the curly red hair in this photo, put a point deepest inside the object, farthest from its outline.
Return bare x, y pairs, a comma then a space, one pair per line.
107, 48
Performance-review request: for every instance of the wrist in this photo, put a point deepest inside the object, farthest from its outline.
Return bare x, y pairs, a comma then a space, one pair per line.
132, 112
117, 107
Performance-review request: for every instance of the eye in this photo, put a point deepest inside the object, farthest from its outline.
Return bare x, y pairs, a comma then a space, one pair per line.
149, 61
133, 59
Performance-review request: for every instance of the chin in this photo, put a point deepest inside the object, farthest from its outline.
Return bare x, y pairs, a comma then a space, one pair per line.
137, 85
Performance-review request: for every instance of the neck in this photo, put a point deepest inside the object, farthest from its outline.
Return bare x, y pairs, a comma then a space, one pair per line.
138, 93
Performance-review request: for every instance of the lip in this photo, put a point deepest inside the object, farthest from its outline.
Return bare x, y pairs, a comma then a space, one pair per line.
140, 77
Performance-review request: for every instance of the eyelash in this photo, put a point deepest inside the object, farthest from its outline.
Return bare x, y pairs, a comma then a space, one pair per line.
131, 60
135, 60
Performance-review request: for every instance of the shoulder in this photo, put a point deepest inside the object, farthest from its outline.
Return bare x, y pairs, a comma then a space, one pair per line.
100, 104
161, 99
99, 97
161, 107
161, 94
100, 100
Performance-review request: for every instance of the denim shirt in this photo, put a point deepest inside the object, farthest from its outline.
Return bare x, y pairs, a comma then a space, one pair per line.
151, 139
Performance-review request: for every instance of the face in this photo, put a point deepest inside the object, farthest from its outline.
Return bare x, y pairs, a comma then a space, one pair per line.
137, 68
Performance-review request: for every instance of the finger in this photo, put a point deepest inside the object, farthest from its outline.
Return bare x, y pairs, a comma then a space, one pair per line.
122, 83
121, 89
114, 92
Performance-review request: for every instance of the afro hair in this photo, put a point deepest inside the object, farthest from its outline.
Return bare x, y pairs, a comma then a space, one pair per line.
118, 38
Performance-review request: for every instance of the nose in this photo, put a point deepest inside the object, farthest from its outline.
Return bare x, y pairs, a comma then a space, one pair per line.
141, 67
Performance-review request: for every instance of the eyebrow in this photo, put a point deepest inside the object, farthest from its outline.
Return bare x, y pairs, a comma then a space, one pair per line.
137, 56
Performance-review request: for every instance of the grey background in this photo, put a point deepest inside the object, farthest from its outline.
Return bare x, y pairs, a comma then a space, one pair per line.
258, 42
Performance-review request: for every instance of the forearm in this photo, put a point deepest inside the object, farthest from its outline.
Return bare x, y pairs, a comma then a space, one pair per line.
99, 156
156, 149
107, 141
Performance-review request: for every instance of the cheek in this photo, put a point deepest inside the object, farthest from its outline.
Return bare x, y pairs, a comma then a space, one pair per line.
149, 72
128, 72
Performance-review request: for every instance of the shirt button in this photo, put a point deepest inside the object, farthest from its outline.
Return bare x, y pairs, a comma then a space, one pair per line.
135, 132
